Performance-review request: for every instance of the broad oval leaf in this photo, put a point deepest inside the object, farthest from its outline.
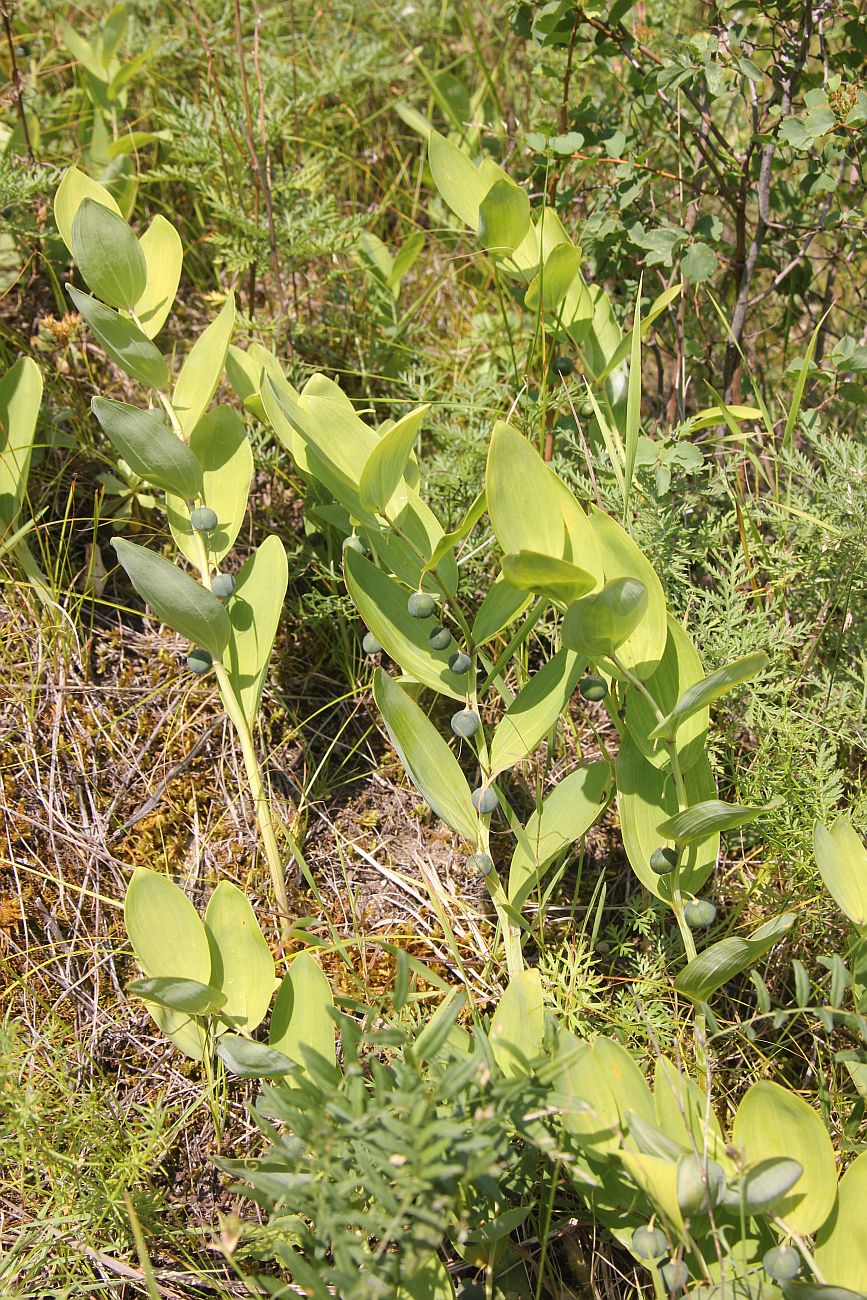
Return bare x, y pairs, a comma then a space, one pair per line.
220, 444
189, 996
251, 1060
254, 614
122, 341
718, 964
518, 1024
501, 605
534, 710
599, 624
73, 189
581, 547
644, 796
163, 255
301, 1020
108, 255
842, 861
774, 1121
678, 668
558, 579
597, 1084
241, 963
203, 368
841, 1246
523, 502
711, 688
384, 468
427, 758
710, 817
20, 399
504, 218
381, 602
461, 185
764, 1185
175, 598
622, 558
149, 447
572, 807
552, 283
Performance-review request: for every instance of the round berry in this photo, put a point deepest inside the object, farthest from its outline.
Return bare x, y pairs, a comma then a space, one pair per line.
420, 605
222, 585
675, 1275
460, 663
563, 365
663, 860
649, 1243
204, 519
782, 1263
593, 688
699, 913
465, 723
484, 799
481, 862
370, 645
199, 660
354, 543
440, 638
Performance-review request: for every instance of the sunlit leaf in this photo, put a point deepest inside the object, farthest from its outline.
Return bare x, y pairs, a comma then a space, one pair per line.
534, 710
721, 962
518, 1024
149, 447
175, 598
711, 688
241, 963
254, 614
842, 861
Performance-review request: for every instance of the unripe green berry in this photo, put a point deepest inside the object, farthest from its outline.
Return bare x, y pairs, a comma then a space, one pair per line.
222, 585
421, 604
593, 688
465, 723
699, 913
675, 1276
199, 660
440, 638
370, 645
460, 663
563, 365
204, 519
354, 543
484, 799
481, 862
649, 1243
586, 407
782, 1263
663, 860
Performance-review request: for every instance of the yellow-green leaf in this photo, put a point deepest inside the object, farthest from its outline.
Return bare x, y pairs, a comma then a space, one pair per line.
572, 807
384, 468
523, 502
622, 558
558, 579
703, 693
679, 668
203, 368
300, 1021
220, 445
841, 1246
842, 861
176, 599
254, 613
518, 1024
20, 399
534, 710
242, 967
163, 255
73, 189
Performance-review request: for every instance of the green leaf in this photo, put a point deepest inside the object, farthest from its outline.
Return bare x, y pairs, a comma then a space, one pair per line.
384, 468
550, 285
203, 368
241, 962
773, 1121
581, 547
765, 1184
175, 598
219, 443
501, 606
622, 558
301, 1018
534, 710
251, 1060
169, 940
163, 255
189, 996
597, 1084
449, 541
382, 602
809, 1291
699, 263
722, 961
841, 1246
254, 613
842, 861
523, 502
710, 817
20, 399
149, 447
633, 404
427, 758
711, 688
429, 1279
683, 1112
460, 184
518, 1024
558, 579
571, 808
644, 796
122, 341
108, 255
679, 668
597, 625
73, 189
504, 218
